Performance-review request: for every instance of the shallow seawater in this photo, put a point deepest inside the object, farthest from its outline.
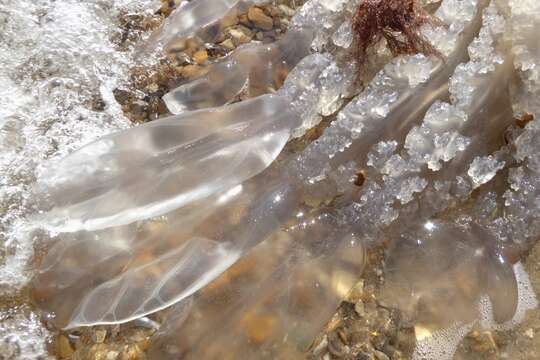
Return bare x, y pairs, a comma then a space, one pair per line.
59, 63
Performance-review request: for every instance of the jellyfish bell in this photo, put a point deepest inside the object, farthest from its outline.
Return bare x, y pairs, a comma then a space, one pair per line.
440, 265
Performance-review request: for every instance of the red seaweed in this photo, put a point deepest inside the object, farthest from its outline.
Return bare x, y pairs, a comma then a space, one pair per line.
398, 22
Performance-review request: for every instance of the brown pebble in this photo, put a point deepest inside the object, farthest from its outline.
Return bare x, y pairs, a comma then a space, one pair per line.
227, 45
336, 346
189, 71
484, 342
284, 24
239, 35
274, 11
360, 178
63, 347
200, 57
131, 353
270, 35
359, 308
229, 21
343, 336
379, 355
152, 88
244, 20
99, 336
112, 355
524, 120
260, 19
287, 10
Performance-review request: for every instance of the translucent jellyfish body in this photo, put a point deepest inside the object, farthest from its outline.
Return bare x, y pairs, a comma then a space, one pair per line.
122, 273
313, 91
440, 265
273, 301
152, 169
253, 69
192, 17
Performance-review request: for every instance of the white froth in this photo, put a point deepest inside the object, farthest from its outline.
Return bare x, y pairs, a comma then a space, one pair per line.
442, 345
55, 58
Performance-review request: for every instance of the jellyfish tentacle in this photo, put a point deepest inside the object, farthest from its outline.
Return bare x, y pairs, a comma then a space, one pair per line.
288, 285
252, 69
190, 18
155, 168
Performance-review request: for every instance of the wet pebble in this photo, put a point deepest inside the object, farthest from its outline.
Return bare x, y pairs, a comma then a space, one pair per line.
260, 19
64, 349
